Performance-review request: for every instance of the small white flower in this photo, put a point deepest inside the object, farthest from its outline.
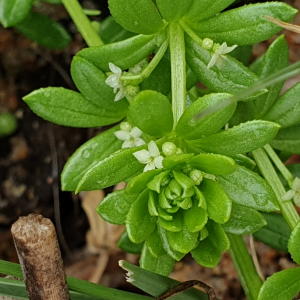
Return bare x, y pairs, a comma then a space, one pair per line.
151, 158
114, 81
218, 57
293, 193
130, 136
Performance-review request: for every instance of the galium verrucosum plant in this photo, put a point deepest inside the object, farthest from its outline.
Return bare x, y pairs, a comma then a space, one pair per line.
191, 187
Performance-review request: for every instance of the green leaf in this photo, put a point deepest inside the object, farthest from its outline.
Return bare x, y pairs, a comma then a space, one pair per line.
162, 264
166, 245
111, 32
173, 10
116, 168
139, 223
189, 127
286, 110
68, 108
242, 54
217, 236
247, 188
159, 79
232, 78
156, 285
275, 59
13, 12
44, 31
173, 160
245, 111
115, 207
250, 136
294, 244
151, 112
174, 225
276, 233
128, 246
206, 254
139, 182
195, 218
283, 285
137, 16
204, 9
155, 184
213, 163
88, 155
245, 25
183, 241
124, 54
90, 81
154, 244
218, 202
243, 220
245, 161
287, 139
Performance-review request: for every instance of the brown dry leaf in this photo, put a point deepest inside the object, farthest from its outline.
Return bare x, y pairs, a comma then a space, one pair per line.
284, 25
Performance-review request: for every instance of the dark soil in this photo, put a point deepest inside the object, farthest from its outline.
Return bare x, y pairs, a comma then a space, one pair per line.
32, 158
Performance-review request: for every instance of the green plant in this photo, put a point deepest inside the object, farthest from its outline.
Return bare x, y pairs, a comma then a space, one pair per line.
187, 155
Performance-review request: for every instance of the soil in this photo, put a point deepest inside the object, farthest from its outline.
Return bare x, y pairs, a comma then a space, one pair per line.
32, 158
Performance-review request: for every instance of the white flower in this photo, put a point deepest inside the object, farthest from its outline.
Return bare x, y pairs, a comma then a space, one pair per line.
114, 81
293, 193
218, 56
151, 158
130, 136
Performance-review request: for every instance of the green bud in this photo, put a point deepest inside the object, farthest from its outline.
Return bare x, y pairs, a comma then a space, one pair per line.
210, 176
186, 203
175, 187
125, 126
131, 91
166, 180
207, 43
179, 151
216, 47
8, 124
186, 168
169, 148
196, 176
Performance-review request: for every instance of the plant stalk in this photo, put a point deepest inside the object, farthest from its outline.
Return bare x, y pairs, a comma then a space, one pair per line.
280, 165
266, 168
243, 263
178, 70
82, 23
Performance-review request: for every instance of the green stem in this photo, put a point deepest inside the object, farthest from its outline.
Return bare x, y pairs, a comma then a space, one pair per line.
82, 23
242, 261
266, 168
280, 166
152, 65
191, 33
178, 70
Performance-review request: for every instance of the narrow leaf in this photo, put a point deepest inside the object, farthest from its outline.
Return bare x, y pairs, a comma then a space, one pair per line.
128, 246
294, 244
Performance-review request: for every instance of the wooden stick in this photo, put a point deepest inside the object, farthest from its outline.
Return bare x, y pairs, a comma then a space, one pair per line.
40, 259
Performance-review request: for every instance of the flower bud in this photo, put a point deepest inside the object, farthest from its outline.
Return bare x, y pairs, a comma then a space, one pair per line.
216, 47
207, 43
125, 126
169, 148
131, 91
196, 176
179, 151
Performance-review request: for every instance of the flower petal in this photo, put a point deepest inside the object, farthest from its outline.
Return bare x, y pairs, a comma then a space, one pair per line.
229, 49
297, 199
213, 61
158, 162
288, 195
120, 95
136, 132
114, 68
142, 156
113, 81
149, 166
122, 135
296, 184
153, 150
128, 144
139, 142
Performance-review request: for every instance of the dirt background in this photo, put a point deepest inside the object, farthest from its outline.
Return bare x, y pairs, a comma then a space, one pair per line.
32, 158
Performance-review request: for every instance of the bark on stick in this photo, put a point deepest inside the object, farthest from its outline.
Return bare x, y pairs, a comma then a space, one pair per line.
40, 258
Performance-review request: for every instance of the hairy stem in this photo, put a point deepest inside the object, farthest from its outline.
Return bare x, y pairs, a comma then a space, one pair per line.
242, 261
178, 69
82, 23
266, 168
